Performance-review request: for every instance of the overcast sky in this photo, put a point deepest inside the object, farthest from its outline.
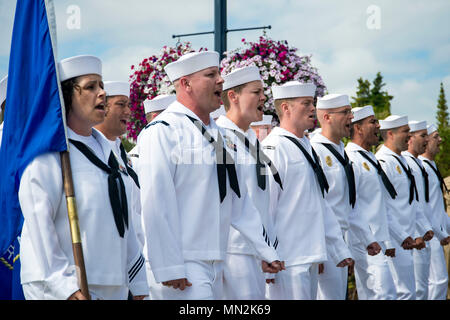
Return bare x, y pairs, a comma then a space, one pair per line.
408, 41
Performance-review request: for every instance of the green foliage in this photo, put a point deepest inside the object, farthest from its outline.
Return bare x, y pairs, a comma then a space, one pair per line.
373, 94
127, 144
442, 117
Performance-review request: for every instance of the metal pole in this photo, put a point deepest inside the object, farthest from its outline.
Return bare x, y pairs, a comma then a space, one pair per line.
74, 224
220, 26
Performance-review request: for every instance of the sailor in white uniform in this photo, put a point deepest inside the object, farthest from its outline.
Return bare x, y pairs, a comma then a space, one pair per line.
152, 108
373, 276
113, 260
307, 230
190, 191
117, 114
334, 115
403, 218
417, 145
243, 97
438, 280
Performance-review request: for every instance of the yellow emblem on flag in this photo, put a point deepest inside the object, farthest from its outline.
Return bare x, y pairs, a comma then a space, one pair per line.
328, 161
366, 166
398, 169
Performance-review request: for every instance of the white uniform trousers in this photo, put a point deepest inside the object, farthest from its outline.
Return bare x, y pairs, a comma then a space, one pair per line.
422, 271
373, 276
438, 281
243, 278
155, 288
297, 282
38, 290
207, 282
402, 270
332, 284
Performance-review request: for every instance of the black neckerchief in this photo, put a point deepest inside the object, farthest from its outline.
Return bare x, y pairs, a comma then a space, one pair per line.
261, 161
130, 171
438, 174
387, 184
117, 198
412, 181
425, 179
320, 175
349, 173
224, 162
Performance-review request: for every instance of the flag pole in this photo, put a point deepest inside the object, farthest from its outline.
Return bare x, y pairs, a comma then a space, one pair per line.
74, 224
66, 170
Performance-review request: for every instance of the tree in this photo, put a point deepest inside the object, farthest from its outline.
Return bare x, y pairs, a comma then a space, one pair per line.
442, 117
374, 96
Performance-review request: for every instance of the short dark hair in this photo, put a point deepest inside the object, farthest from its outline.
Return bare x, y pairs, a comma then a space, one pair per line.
225, 100
352, 128
383, 133
67, 87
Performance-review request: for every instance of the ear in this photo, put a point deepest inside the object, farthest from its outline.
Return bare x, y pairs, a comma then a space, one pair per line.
107, 107
184, 83
285, 107
390, 134
232, 96
357, 127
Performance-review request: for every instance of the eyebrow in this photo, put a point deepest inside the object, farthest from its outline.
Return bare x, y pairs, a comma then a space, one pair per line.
91, 82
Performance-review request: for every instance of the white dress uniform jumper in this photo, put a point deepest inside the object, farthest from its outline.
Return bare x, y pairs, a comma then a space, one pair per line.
244, 278
373, 276
341, 198
421, 257
438, 280
402, 220
307, 230
112, 254
187, 216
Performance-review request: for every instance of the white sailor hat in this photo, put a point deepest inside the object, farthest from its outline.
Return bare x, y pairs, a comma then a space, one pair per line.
331, 101
417, 125
241, 76
431, 128
218, 112
117, 88
393, 121
267, 120
190, 63
362, 113
78, 66
3, 87
293, 89
159, 103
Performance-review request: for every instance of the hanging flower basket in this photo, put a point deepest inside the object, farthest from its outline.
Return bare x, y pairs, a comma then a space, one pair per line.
277, 63
149, 80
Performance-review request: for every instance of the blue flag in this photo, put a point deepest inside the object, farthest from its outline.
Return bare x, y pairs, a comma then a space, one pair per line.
33, 119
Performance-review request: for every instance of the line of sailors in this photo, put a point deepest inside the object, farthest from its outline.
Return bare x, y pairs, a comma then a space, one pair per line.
201, 209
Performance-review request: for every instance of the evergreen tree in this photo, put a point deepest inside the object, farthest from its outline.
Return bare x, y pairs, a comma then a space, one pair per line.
442, 117
374, 96
380, 100
442, 113
362, 95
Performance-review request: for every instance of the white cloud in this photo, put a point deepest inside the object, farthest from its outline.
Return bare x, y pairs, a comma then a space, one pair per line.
417, 99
